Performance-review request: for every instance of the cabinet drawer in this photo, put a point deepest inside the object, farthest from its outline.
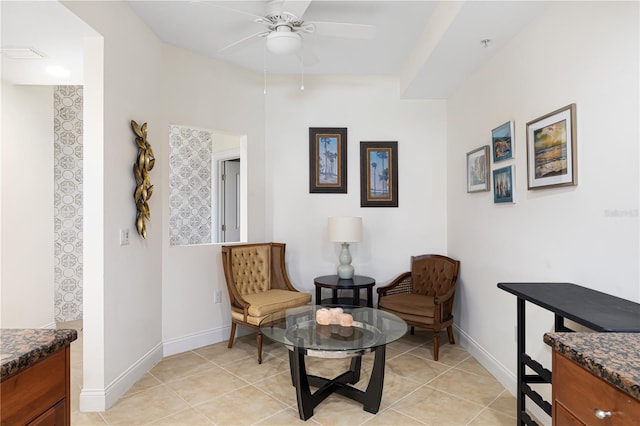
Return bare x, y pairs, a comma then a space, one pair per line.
54, 416
580, 392
31, 392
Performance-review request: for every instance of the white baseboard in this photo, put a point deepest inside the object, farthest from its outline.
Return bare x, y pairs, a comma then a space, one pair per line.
499, 371
51, 325
93, 400
102, 399
495, 367
197, 340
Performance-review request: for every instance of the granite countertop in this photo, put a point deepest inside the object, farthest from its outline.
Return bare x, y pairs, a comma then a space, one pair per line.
21, 348
614, 357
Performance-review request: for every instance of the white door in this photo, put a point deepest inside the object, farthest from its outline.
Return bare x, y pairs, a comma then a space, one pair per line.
231, 199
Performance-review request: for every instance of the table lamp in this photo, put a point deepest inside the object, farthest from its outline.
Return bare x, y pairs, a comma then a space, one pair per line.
345, 230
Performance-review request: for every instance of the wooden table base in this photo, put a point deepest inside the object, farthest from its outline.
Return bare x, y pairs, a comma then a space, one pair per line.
370, 399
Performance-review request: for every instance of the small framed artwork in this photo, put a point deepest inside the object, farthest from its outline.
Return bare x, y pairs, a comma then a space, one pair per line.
502, 142
328, 160
478, 169
379, 174
504, 185
552, 149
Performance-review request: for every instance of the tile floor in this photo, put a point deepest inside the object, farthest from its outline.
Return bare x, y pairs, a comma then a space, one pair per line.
214, 385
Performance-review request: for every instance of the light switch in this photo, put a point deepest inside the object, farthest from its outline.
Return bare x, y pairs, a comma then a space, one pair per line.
124, 237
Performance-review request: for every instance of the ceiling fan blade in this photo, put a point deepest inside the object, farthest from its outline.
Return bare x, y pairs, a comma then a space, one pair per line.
344, 30
237, 44
219, 5
294, 7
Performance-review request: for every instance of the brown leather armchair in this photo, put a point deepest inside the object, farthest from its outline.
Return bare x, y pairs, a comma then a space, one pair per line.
424, 296
258, 285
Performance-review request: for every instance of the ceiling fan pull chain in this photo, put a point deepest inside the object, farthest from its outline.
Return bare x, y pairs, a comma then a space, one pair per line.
264, 62
301, 71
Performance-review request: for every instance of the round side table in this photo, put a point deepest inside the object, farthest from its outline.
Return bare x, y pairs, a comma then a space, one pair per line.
335, 283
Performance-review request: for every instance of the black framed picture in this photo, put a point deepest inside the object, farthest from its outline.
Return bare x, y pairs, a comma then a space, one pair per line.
328, 160
379, 174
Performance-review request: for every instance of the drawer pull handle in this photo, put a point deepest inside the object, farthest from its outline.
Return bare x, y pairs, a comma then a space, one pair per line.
601, 414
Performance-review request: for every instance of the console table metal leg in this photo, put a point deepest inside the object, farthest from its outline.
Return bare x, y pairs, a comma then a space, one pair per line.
521, 364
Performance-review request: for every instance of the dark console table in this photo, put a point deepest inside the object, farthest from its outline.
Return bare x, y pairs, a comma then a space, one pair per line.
590, 308
335, 283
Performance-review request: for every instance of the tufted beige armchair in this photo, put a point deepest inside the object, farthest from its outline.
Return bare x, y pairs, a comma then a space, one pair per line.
258, 285
424, 296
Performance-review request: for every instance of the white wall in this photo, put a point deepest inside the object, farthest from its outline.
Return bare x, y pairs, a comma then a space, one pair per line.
27, 207
205, 93
587, 53
147, 293
123, 284
371, 110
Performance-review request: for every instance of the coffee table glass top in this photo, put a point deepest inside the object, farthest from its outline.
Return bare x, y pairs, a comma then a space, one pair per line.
297, 327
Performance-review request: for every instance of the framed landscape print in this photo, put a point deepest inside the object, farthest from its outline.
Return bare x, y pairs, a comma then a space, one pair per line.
504, 185
478, 169
502, 142
328, 160
552, 149
379, 174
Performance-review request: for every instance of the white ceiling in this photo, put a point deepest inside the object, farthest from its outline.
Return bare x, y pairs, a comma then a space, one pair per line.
433, 46
49, 28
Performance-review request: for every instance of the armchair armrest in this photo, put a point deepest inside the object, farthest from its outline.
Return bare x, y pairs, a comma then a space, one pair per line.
442, 298
401, 284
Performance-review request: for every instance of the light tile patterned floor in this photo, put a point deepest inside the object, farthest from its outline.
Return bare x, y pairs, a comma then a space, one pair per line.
219, 386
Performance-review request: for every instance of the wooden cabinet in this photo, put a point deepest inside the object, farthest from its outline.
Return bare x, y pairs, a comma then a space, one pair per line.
39, 395
578, 394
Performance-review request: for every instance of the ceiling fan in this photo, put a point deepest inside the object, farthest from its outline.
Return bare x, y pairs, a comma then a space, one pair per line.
285, 25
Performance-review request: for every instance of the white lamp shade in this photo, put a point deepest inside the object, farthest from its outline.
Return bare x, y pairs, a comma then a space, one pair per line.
345, 229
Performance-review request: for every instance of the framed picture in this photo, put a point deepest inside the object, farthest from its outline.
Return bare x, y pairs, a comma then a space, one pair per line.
502, 142
504, 185
551, 149
478, 169
328, 160
379, 174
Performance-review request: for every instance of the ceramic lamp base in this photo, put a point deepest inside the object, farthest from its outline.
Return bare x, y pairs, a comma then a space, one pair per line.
345, 270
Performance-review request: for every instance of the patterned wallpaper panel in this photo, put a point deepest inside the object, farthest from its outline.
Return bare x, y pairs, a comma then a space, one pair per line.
189, 185
67, 122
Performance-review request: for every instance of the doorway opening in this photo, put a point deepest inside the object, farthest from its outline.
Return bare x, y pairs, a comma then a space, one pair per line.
228, 226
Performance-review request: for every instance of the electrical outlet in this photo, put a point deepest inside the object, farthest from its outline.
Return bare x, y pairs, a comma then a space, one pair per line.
124, 237
217, 297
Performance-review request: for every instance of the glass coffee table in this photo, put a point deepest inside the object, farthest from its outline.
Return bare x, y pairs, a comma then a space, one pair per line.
371, 331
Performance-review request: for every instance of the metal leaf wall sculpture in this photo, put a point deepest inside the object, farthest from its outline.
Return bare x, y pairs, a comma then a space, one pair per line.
141, 168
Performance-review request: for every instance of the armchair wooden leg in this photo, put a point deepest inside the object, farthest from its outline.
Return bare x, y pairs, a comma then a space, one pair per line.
435, 346
259, 342
450, 332
232, 335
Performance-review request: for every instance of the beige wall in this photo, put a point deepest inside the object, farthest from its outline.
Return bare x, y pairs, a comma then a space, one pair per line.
27, 286
564, 234
371, 110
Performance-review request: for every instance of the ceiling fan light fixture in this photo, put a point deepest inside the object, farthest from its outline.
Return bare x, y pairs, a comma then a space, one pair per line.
283, 42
